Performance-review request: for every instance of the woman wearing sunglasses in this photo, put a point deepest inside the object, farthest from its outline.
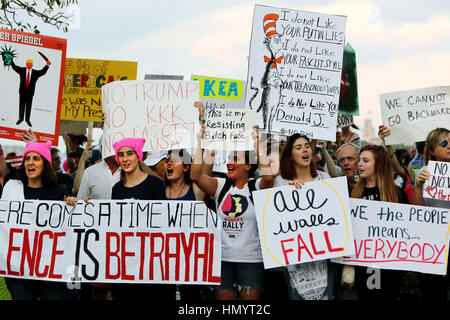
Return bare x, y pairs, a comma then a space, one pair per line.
437, 148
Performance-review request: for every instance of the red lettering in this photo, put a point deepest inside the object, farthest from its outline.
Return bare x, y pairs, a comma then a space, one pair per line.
39, 254
175, 255
84, 79
142, 235
187, 249
301, 247
314, 246
126, 254
379, 248
330, 248
366, 248
211, 278
285, 252
439, 253
203, 256
27, 255
402, 250
423, 252
11, 249
154, 254
411, 250
110, 254
55, 253
391, 248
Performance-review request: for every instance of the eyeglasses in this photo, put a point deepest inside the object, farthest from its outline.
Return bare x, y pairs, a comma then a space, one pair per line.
349, 159
444, 143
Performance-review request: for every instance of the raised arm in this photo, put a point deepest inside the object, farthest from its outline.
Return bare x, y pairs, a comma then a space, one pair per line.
268, 176
206, 183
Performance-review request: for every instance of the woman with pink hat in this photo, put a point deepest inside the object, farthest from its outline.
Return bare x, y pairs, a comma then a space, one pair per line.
36, 180
136, 184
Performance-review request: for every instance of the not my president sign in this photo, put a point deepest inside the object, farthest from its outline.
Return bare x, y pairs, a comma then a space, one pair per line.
110, 241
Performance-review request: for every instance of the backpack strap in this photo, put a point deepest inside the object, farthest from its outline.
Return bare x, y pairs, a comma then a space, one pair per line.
251, 187
227, 186
229, 183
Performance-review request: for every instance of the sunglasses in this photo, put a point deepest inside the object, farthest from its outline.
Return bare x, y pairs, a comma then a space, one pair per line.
444, 143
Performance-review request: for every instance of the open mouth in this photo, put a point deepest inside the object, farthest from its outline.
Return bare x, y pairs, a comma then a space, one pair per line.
306, 157
170, 171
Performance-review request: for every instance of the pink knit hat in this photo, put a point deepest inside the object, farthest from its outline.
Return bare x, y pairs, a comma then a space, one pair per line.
42, 148
135, 143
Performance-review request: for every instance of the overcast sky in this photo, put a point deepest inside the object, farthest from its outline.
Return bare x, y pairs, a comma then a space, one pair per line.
399, 45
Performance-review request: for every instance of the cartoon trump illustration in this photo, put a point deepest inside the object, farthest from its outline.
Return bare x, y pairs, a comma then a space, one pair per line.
28, 78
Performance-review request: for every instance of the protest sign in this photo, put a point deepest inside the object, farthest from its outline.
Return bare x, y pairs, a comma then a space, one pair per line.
83, 80
438, 186
304, 225
399, 236
110, 241
344, 120
411, 115
160, 111
220, 92
294, 72
229, 129
32, 82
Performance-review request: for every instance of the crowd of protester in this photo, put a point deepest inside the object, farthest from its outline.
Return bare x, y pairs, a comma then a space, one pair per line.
373, 172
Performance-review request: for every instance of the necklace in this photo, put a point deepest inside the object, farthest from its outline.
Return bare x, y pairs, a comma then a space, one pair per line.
181, 189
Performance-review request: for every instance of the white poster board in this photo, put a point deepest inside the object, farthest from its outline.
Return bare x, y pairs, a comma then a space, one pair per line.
160, 111
229, 129
412, 114
294, 72
106, 241
438, 186
399, 236
309, 224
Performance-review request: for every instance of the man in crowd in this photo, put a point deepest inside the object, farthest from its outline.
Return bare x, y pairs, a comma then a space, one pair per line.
348, 161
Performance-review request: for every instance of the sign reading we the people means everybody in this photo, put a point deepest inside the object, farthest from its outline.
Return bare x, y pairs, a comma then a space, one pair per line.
294, 74
412, 114
399, 236
31, 84
110, 241
303, 225
160, 111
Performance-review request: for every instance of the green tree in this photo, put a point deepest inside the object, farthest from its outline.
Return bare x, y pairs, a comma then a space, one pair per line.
14, 13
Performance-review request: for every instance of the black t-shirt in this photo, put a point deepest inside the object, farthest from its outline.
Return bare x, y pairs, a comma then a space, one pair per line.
55, 192
373, 193
151, 188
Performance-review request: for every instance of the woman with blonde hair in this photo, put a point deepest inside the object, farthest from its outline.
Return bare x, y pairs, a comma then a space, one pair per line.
437, 148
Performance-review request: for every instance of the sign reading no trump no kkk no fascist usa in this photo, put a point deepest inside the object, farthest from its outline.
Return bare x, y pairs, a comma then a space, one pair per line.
399, 236
110, 241
294, 74
160, 111
303, 225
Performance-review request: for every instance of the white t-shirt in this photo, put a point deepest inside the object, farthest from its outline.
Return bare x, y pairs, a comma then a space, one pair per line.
97, 181
240, 238
310, 279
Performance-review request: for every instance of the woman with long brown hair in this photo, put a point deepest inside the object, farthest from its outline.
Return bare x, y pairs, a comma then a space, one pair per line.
376, 182
36, 180
297, 167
